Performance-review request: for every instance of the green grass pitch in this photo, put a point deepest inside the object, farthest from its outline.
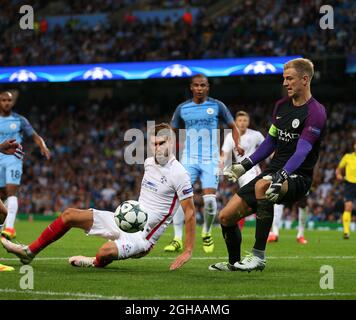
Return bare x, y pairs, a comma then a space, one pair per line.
293, 271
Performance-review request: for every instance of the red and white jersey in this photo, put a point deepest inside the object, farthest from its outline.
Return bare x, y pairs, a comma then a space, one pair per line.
162, 189
249, 141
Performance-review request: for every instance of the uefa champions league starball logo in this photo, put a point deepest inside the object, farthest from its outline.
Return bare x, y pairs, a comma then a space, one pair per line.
176, 70
259, 67
97, 73
23, 75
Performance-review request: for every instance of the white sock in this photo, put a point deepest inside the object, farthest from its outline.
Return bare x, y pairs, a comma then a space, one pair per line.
178, 223
277, 217
12, 206
210, 209
302, 214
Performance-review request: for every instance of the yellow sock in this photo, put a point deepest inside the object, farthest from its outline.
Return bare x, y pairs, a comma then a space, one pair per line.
346, 221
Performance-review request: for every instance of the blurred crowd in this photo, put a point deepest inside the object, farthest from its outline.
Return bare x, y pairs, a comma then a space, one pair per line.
88, 168
250, 28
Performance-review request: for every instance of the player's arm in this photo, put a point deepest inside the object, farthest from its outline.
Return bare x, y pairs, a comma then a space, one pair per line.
189, 214
236, 138
41, 143
340, 170
265, 149
229, 120
226, 154
30, 132
11, 147
313, 127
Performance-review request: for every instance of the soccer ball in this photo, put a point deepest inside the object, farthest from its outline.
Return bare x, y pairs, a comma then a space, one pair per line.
130, 217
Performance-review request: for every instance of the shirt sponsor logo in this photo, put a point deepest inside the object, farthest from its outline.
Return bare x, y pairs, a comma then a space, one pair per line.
315, 131
200, 123
287, 136
187, 191
149, 185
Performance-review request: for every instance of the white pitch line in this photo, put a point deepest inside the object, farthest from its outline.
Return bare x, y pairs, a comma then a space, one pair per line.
93, 296
206, 258
260, 296
66, 294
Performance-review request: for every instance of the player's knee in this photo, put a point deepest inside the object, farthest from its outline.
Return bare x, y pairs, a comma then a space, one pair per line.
68, 215
225, 218
261, 186
108, 251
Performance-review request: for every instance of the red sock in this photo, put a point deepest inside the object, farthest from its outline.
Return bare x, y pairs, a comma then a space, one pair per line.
100, 262
52, 233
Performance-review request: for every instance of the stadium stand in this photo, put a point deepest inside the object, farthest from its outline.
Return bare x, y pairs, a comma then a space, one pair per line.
70, 32
247, 29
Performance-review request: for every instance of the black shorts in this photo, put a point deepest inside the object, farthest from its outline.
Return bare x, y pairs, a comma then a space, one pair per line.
298, 188
349, 191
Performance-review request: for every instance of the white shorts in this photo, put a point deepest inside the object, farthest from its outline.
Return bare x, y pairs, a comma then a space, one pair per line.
249, 175
129, 245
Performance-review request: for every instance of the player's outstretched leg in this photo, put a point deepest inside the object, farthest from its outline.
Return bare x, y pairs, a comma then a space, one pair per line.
107, 254
20, 250
70, 218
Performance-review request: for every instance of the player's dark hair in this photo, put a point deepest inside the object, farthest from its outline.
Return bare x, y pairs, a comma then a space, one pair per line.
5, 91
199, 75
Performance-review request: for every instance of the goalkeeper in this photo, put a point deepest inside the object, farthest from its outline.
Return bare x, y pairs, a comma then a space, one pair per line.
298, 125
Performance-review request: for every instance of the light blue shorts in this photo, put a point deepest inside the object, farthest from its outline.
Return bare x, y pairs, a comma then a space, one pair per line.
10, 172
208, 173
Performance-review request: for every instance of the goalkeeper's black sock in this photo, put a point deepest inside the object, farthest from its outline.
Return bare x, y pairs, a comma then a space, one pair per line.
233, 238
264, 219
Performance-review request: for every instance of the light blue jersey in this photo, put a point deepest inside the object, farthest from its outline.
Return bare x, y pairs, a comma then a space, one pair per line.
201, 151
201, 122
12, 127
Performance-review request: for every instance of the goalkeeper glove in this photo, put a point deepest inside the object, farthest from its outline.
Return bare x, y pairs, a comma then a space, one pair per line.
277, 179
235, 170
